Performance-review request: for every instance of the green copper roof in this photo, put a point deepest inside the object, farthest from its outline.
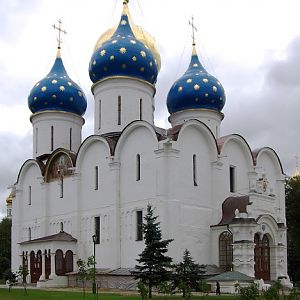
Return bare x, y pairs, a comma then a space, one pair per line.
231, 276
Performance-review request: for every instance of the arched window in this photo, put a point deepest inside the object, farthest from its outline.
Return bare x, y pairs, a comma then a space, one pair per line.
225, 251
59, 262
69, 261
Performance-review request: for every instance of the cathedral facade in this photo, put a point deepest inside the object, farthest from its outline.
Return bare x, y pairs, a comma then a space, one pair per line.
214, 196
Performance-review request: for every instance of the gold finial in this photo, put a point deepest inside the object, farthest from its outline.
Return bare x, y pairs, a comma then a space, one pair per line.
194, 28
59, 41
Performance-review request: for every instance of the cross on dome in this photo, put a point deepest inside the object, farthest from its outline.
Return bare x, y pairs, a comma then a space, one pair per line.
194, 28
60, 30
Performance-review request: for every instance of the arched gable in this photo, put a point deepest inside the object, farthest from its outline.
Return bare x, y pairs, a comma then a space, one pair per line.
204, 130
109, 145
223, 143
129, 129
27, 165
60, 162
269, 226
258, 153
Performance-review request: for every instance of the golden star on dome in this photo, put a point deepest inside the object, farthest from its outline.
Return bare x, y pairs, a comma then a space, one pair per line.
112, 57
102, 52
214, 88
79, 93
150, 64
69, 83
54, 81
132, 41
114, 41
71, 98
94, 62
142, 69
196, 87
43, 89
180, 89
189, 80
35, 98
206, 95
62, 88
123, 22
143, 53
122, 50
205, 80
54, 96
195, 65
134, 58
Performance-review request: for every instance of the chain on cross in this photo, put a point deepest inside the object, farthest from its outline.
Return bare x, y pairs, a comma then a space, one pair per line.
60, 30
194, 28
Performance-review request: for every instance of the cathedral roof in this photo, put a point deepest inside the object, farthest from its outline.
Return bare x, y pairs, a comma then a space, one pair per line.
196, 89
124, 54
57, 91
61, 236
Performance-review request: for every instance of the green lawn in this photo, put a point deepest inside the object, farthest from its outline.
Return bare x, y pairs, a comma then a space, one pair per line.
33, 294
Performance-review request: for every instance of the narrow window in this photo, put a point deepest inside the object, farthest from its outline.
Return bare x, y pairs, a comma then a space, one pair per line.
29, 234
99, 124
96, 177
119, 110
97, 230
36, 139
52, 137
139, 225
141, 109
29, 195
195, 170
232, 178
61, 226
138, 167
70, 138
61, 186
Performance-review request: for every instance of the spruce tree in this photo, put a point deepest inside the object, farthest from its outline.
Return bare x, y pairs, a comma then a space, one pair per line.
188, 275
154, 264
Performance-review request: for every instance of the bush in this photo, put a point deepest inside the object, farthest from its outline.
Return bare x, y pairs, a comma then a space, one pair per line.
249, 292
142, 289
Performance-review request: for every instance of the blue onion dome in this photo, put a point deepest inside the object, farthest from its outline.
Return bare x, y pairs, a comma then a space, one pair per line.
123, 55
196, 89
57, 91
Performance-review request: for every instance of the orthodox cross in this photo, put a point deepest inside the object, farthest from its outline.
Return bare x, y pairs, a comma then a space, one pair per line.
58, 28
194, 28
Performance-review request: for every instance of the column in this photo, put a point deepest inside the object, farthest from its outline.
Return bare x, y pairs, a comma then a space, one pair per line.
43, 276
52, 270
28, 279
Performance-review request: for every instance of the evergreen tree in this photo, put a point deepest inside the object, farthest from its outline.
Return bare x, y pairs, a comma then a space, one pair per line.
5, 246
188, 275
153, 262
293, 217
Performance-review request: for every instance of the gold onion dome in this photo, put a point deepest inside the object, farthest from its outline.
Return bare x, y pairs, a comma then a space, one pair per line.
9, 199
125, 50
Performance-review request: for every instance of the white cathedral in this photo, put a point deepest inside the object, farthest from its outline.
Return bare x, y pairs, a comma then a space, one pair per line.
214, 196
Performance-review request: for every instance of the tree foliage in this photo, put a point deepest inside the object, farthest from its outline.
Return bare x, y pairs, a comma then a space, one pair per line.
293, 219
154, 265
188, 275
5, 246
86, 271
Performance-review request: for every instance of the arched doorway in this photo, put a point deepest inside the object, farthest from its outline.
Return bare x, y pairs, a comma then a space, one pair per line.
262, 257
59, 263
33, 273
225, 251
69, 261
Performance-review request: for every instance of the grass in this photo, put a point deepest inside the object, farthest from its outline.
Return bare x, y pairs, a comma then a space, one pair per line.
34, 294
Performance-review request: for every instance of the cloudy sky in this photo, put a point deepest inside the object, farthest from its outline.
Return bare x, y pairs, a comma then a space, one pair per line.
252, 47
